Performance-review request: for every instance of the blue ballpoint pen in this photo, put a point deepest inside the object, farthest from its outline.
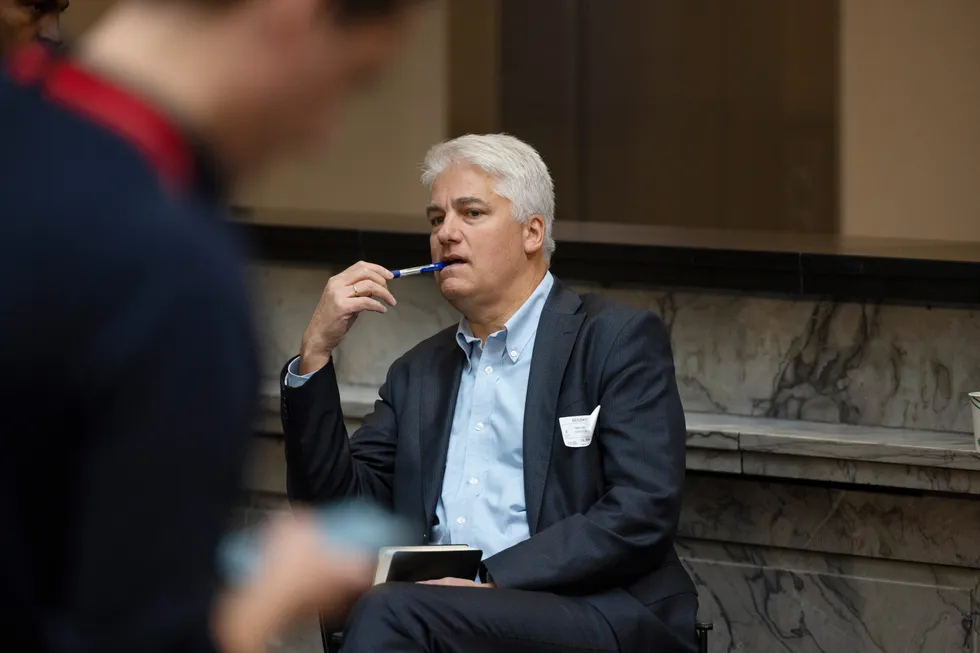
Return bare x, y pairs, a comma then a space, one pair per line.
422, 269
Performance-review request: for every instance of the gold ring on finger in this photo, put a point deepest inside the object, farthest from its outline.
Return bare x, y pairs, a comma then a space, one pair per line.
356, 294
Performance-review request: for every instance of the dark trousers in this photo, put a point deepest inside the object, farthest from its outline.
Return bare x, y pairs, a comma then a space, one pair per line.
406, 617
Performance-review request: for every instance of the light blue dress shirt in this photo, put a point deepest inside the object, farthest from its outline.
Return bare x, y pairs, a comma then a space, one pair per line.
482, 501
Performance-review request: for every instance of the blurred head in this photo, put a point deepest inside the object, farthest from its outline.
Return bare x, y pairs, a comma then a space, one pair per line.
269, 77
303, 59
23, 21
492, 209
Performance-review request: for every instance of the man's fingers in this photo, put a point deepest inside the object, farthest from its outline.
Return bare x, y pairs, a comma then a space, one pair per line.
367, 288
357, 304
374, 289
384, 273
364, 270
367, 284
368, 276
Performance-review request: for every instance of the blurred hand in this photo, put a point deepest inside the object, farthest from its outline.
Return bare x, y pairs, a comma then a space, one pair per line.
456, 582
344, 297
299, 576
316, 578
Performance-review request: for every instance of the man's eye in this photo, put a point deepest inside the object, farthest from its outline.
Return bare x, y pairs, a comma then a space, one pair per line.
48, 6
474, 213
436, 221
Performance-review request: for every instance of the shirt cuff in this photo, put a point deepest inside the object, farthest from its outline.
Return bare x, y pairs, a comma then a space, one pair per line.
293, 378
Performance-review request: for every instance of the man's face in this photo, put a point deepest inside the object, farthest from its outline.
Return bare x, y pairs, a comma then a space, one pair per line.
474, 230
22, 21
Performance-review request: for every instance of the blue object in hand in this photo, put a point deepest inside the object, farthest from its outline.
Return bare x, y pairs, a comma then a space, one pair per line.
359, 526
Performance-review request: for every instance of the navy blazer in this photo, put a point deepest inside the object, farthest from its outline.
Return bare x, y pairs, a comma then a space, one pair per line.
602, 517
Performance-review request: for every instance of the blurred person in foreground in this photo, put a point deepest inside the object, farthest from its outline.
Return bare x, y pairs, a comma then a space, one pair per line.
122, 296
577, 528
24, 21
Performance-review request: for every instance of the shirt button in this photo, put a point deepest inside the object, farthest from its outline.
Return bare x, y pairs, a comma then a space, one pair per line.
474, 480
489, 370
479, 426
461, 520
513, 354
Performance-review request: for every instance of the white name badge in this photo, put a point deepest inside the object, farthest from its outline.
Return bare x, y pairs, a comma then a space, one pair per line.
577, 430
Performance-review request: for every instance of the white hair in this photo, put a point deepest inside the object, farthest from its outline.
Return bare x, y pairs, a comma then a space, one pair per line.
520, 174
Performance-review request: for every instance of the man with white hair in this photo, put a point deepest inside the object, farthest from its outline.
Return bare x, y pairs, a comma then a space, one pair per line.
470, 438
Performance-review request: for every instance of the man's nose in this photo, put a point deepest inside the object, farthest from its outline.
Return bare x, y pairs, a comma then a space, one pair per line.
449, 230
49, 30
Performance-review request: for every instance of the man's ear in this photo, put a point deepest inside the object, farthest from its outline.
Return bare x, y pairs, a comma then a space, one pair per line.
533, 234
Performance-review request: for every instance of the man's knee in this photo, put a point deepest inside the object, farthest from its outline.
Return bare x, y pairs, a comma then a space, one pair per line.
385, 603
386, 618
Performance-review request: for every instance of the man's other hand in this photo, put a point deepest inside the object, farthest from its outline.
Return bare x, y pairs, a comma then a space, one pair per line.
456, 582
299, 577
344, 297
315, 577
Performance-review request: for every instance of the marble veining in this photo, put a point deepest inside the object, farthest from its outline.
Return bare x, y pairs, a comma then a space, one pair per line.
865, 364
845, 521
763, 599
700, 434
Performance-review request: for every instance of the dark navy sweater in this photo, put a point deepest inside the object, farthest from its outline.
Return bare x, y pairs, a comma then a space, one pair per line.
127, 379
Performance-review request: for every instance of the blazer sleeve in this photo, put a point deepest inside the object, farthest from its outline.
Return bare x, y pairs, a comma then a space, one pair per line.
322, 464
630, 530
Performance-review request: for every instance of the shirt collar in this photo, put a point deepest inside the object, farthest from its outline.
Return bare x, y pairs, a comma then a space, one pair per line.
181, 159
519, 329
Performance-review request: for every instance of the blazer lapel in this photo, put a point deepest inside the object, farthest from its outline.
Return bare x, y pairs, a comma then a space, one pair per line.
438, 396
557, 331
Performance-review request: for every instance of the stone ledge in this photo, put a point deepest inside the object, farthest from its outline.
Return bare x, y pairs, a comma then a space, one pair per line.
836, 453
886, 457
836, 441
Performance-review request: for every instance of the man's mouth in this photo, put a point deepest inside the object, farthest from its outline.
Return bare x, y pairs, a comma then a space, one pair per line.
452, 260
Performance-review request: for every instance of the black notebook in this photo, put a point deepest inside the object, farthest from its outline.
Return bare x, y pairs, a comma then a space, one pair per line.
412, 564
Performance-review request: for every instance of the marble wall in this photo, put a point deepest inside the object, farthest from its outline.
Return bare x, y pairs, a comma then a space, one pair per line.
767, 599
802, 568
868, 364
